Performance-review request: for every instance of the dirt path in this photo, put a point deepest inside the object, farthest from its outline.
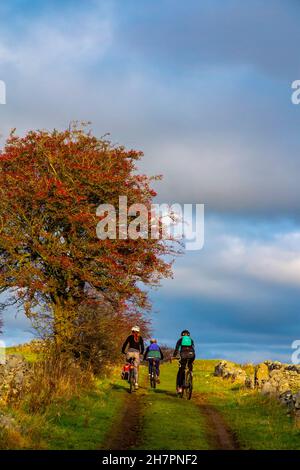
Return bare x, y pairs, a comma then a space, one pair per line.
219, 434
125, 433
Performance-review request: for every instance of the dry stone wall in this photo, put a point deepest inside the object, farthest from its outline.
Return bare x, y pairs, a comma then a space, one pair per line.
271, 378
14, 378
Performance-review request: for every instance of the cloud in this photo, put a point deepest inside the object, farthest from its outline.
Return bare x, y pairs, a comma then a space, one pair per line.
213, 32
239, 267
17, 328
205, 92
223, 133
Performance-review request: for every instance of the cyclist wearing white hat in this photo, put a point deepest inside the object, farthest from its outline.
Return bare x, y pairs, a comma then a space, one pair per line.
135, 345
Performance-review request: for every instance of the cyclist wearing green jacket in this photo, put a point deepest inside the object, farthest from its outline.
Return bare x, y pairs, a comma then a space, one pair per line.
185, 347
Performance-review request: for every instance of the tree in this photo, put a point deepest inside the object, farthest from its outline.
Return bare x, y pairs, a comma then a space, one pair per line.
51, 184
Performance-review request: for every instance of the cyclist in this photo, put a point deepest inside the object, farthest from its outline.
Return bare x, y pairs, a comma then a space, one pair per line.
135, 345
185, 347
153, 353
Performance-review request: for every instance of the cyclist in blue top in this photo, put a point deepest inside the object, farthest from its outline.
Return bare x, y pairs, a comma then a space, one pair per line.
153, 352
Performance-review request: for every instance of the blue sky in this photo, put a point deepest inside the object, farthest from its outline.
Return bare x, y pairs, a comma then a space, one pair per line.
204, 89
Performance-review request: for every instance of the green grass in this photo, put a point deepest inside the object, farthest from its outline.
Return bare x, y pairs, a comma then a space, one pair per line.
80, 423
86, 421
171, 422
23, 352
259, 422
83, 423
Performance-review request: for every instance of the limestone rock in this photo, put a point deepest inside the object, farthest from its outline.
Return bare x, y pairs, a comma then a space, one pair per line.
14, 377
261, 374
229, 370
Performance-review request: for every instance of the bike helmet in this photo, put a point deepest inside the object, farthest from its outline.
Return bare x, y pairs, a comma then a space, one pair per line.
185, 333
135, 328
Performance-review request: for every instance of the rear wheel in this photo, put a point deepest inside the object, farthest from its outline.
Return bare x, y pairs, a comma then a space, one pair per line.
189, 385
131, 380
153, 376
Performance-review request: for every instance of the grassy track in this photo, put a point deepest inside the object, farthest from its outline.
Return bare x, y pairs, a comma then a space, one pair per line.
171, 422
163, 421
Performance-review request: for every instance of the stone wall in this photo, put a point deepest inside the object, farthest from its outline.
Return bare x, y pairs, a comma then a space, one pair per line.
14, 378
271, 378
230, 371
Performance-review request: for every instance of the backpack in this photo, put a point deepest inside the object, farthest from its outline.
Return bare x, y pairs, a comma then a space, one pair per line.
186, 341
186, 348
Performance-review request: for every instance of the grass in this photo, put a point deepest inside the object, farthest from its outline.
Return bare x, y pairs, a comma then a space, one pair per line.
25, 352
82, 422
171, 422
85, 421
259, 422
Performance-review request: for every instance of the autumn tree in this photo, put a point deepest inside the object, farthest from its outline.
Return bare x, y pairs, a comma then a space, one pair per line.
51, 260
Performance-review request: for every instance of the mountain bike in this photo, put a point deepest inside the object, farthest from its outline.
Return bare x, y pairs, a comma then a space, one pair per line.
152, 376
131, 375
187, 387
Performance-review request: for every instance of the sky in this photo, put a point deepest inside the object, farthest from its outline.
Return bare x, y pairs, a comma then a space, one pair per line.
203, 88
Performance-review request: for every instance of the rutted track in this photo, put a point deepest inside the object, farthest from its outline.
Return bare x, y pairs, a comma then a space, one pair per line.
144, 406
126, 432
219, 434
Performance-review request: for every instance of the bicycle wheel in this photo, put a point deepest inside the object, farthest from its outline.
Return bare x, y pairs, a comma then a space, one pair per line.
153, 380
180, 394
131, 380
153, 376
189, 385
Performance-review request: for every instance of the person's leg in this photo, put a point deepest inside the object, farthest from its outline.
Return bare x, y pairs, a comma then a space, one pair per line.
150, 366
178, 379
157, 361
136, 368
191, 364
128, 356
180, 374
182, 371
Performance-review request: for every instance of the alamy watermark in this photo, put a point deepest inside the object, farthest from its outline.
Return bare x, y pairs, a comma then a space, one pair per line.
181, 222
2, 92
296, 353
